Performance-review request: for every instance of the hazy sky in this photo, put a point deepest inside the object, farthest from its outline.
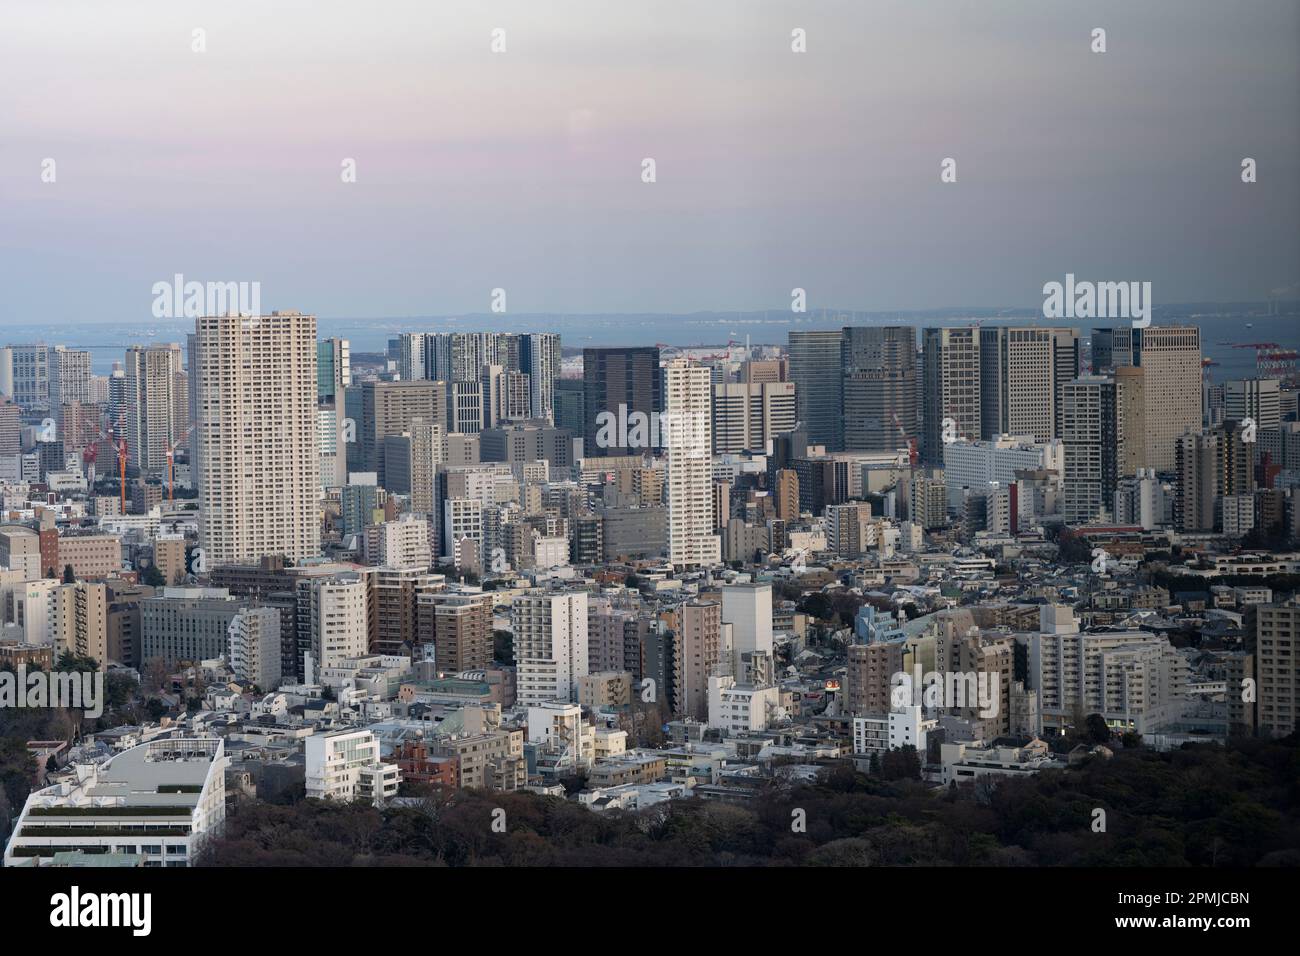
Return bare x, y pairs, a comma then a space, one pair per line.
522, 170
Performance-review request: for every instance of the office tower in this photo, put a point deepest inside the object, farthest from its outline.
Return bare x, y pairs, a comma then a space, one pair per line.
1130, 420
816, 363
747, 416
458, 625
333, 377
1090, 445
255, 646
30, 365
619, 383
1170, 359
69, 376
878, 388
550, 643
976, 465
951, 385
756, 371
155, 419
569, 405
1254, 398
702, 651
687, 437
258, 464
1277, 656
186, 624
333, 369
7, 373
1022, 371
539, 359
381, 409
465, 407
1067, 365
117, 394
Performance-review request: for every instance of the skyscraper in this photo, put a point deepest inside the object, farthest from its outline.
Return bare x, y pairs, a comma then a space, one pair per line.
878, 387
1170, 359
156, 412
815, 369
539, 359
620, 382
1089, 439
258, 467
687, 438
951, 386
1022, 373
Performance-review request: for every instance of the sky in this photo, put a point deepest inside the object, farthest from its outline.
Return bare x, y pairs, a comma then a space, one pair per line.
522, 170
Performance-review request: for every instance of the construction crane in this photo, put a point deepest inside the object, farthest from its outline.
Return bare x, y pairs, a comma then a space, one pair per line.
1271, 360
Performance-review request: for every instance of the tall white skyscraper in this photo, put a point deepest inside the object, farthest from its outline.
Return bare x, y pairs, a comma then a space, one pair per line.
256, 436
687, 435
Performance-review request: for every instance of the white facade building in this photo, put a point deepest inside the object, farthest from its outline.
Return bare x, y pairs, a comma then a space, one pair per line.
161, 800
550, 631
345, 765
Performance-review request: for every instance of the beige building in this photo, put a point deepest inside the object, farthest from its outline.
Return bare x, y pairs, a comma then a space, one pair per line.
258, 466
79, 620
156, 402
91, 555
169, 557
703, 650
605, 689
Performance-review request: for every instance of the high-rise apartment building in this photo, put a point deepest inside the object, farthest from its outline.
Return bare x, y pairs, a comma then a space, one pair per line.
258, 464
1277, 657
1089, 438
69, 376
687, 424
550, 643
156, 405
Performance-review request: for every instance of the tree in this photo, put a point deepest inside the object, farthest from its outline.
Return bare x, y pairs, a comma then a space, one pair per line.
69, 575
1098, 729
153, 577
902, 763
